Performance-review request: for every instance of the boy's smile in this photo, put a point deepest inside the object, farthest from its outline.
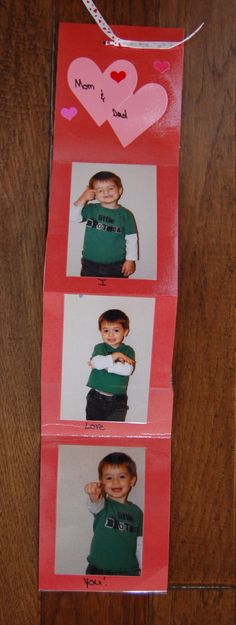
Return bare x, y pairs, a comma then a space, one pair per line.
107, 193
113, 333
117, 482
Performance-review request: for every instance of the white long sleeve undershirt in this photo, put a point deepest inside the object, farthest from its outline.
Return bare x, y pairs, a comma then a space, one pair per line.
76, 212
106, 362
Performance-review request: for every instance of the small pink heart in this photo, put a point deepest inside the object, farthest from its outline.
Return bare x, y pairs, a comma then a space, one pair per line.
69, 113
161, 66
118, 76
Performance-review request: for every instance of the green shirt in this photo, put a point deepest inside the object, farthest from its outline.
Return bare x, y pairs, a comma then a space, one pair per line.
106, 228
116, 528
101, 379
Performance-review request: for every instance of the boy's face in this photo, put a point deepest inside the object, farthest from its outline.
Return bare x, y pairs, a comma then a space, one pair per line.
107, 193
113, 333
117, 482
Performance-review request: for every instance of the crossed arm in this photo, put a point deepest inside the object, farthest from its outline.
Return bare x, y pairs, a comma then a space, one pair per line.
118, 363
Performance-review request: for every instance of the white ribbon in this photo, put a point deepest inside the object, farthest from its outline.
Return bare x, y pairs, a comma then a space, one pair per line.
125, 43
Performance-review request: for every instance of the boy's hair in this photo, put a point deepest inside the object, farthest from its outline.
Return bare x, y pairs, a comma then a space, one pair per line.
116, 459
105, 175
114, 316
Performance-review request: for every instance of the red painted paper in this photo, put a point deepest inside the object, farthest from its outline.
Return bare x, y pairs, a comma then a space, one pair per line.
118, 110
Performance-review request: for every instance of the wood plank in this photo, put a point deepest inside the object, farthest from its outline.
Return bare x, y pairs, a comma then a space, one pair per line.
192, 607
26, 48
59, 608
138, 13
202, 453
178, 607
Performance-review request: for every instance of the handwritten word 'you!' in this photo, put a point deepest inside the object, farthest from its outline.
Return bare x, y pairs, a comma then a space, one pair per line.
93, 582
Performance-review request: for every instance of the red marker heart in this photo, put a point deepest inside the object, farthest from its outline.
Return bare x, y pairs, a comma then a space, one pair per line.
118, 76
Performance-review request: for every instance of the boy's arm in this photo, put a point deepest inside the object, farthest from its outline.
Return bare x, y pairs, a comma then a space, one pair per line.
76, 213
131, 255
123, 364
94, 490
128, 268
118, 363
121, 368
76, 208
95, 499
139, 551
101, 362
95, 506
131, 244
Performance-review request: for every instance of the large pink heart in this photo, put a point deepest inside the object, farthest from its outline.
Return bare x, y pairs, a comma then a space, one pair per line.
140, 111
97, 91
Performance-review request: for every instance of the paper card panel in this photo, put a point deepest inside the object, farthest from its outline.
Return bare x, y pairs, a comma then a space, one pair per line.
151, 193
70, 335
66, 525
116, 110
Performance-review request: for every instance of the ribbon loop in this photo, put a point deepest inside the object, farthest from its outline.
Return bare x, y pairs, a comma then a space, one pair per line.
125, 43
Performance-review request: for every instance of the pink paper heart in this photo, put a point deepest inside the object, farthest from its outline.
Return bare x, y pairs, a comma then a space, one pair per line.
140, 111
69, 113
161, 66
96, 90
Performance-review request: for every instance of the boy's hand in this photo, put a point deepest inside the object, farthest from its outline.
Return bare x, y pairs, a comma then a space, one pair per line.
86, 196
94, 490
122, 358
128, 268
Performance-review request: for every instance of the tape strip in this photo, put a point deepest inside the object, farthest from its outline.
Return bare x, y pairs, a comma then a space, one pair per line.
125, 43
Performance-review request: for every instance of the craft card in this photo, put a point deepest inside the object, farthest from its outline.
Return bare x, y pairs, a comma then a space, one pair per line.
110, 297
70, 529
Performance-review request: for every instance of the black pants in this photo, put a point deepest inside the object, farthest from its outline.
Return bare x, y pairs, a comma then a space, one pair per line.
101, 270
105, 408
94, 570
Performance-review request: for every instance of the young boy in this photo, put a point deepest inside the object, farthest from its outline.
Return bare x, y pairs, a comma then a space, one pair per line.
112, 363
110, 243
116, 546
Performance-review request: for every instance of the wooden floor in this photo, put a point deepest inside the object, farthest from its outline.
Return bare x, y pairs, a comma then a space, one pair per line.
202, 565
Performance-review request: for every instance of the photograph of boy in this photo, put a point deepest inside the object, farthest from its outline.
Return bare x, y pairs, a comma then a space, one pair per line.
77, 467
116, 547
110, 246
112, 362
79, 326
